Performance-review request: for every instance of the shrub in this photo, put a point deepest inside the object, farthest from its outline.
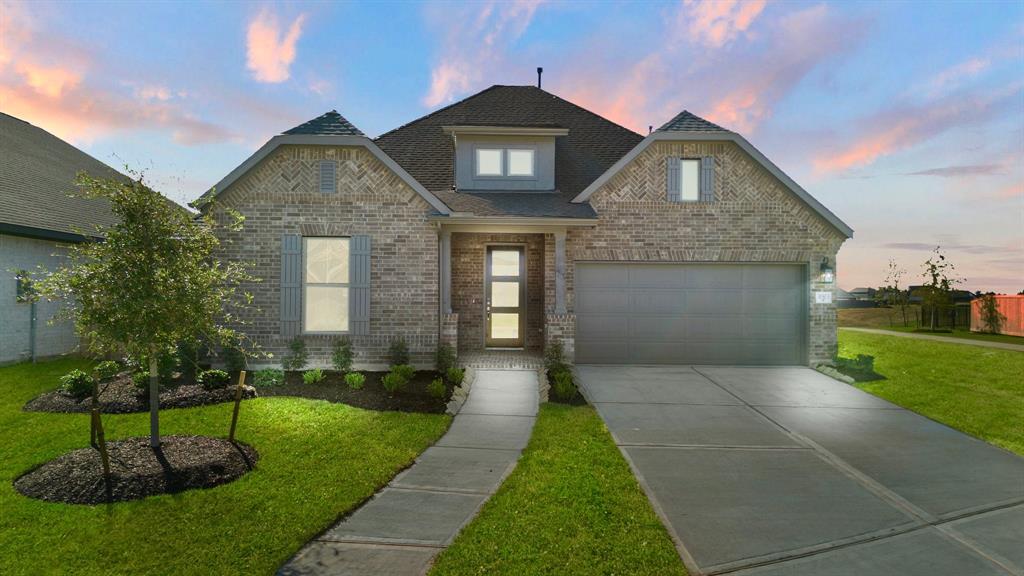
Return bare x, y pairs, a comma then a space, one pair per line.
77, 384
313, 376
214, 379
444, 358
355, 380
268, 377
991, 318
554, 358
455, 376
861, 368
341, 356
393, 382
141, 379
188, 358
398, 352
436, 388
564, 388
234, 358
297, 356
405, 370
107, 370
166, 365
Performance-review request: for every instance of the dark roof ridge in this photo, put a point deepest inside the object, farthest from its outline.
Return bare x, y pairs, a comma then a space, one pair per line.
439, 110
696, 123
330, 123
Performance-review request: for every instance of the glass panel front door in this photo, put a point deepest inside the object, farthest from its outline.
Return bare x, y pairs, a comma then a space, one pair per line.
506, 295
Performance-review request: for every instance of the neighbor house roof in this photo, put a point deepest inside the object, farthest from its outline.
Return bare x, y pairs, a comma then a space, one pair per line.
37, 175
591, 146
330, 123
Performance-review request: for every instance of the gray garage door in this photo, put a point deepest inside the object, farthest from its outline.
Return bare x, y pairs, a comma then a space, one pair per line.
690, 313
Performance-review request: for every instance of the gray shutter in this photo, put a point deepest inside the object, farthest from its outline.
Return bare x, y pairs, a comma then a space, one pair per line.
672, 189
291, 285
707, 179
359, 285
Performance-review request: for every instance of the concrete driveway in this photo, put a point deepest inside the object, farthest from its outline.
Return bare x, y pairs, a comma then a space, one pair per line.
785, 471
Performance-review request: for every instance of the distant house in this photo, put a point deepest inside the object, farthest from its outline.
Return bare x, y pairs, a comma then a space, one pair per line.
959, 296
38, 220
863, 293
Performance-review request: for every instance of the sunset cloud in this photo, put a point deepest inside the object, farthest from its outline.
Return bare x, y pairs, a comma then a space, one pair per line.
270, 50
958, 171
715, 23
476, 38
954, 75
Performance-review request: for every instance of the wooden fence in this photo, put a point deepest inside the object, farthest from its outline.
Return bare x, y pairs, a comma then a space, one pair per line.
1012, 307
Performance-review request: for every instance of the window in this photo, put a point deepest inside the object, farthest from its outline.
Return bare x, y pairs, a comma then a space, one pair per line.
328, 170
326, 284
520, 162
689, 180
488, 162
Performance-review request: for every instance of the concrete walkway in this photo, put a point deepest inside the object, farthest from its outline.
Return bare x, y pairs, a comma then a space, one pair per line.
934, 338
400, 530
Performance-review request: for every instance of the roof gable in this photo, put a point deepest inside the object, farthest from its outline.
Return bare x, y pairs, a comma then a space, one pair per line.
330, 123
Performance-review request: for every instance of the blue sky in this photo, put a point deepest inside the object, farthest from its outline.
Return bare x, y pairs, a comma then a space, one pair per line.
906, 119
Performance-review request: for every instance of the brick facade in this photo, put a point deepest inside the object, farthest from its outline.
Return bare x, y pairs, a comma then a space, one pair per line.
280, 196
469, 257
754, 218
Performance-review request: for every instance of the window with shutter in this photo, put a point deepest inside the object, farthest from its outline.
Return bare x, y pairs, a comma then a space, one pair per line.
690, 179
326, 285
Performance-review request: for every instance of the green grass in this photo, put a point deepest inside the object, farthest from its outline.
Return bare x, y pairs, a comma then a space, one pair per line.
317, 460
966, 335
571, 506
892, 319
979, 391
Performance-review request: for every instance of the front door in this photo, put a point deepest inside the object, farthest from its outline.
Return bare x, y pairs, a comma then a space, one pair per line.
505, 287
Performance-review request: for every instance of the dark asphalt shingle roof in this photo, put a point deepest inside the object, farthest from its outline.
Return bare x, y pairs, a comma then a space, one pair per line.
37, 173
593, 144
331, 124
688, 122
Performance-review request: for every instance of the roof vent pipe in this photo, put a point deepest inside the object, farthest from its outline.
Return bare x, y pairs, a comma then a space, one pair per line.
540, 71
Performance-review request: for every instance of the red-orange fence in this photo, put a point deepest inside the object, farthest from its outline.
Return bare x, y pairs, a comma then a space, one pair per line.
1012, 307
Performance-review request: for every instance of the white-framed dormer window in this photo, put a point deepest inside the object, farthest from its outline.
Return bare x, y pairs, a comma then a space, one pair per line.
490, 162
521, 162
325, 285
328, 176
689, 179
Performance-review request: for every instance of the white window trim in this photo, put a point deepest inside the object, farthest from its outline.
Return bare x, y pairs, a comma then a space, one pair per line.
346, 285
476, 161
533, 163
700, 177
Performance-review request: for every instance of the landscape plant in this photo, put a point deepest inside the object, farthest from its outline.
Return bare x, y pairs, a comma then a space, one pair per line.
436, 388
455, 376
444, 358
234, 358
892, 294
398, 352
355, 380
341, 355
937, 291
106, 370
77, 383
268, 377
991, 318
397, 378
563, 387
314, 376
297, 355
214, 379
151, 283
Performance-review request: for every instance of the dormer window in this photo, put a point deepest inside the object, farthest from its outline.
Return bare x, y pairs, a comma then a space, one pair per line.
520, 162
505, 158
506, 162
489, 162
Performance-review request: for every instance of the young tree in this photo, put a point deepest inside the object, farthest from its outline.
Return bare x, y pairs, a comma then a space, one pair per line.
937, 291
151, 283
891, 294
991, 318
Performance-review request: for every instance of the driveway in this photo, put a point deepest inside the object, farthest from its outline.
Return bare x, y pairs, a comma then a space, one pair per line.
785, 471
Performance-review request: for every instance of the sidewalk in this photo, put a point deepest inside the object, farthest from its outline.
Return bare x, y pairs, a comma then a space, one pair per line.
949, 339
400, 530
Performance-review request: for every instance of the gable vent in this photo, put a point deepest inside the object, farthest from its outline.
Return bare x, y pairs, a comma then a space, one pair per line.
328, 169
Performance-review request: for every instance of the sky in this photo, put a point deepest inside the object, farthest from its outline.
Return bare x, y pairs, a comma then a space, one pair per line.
906, 119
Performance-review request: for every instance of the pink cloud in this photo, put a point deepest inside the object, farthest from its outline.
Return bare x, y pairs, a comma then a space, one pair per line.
270, 51
48, 81
715, 23
475, 40
954, 75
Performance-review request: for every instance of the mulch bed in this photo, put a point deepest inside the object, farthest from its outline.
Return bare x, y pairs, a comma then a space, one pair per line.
372, 396
122, 396
137, 471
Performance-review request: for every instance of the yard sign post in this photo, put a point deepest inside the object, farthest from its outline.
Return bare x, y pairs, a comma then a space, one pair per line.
238, 402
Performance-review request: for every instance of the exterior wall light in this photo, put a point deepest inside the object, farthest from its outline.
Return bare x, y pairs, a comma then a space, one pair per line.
828, 275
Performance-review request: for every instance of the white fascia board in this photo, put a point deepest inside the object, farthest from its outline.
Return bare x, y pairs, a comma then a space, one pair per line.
323, 140
740, 141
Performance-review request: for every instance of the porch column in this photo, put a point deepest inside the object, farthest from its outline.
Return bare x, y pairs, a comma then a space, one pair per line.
446, 271
560, 271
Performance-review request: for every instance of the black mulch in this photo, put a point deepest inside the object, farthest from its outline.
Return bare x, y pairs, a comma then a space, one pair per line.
372, 396
137, 471
121, 396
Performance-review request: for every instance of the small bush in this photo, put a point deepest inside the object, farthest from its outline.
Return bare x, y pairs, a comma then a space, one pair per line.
77, 384
444, 358
268, 377
107, 370
355, 380
166, 365
436, 388
554, 358
455, 376
297, 356
564, 388
398, 352
234, 358
861, 368
188, 359
141, 379
405, 370
341, 356
214, 379
399, 376
314, 376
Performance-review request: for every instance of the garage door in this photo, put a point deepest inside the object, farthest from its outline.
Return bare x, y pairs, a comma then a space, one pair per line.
690, 313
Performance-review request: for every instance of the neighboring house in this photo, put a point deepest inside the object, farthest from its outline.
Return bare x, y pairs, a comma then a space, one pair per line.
514, 218
37, 222
863, 293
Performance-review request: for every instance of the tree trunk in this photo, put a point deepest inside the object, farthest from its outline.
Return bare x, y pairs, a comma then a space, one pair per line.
95, 410
154, 399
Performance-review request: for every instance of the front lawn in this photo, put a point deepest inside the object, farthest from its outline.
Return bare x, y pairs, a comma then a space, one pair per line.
892, 319
317, 460
571, 506
965, 334
979, 391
